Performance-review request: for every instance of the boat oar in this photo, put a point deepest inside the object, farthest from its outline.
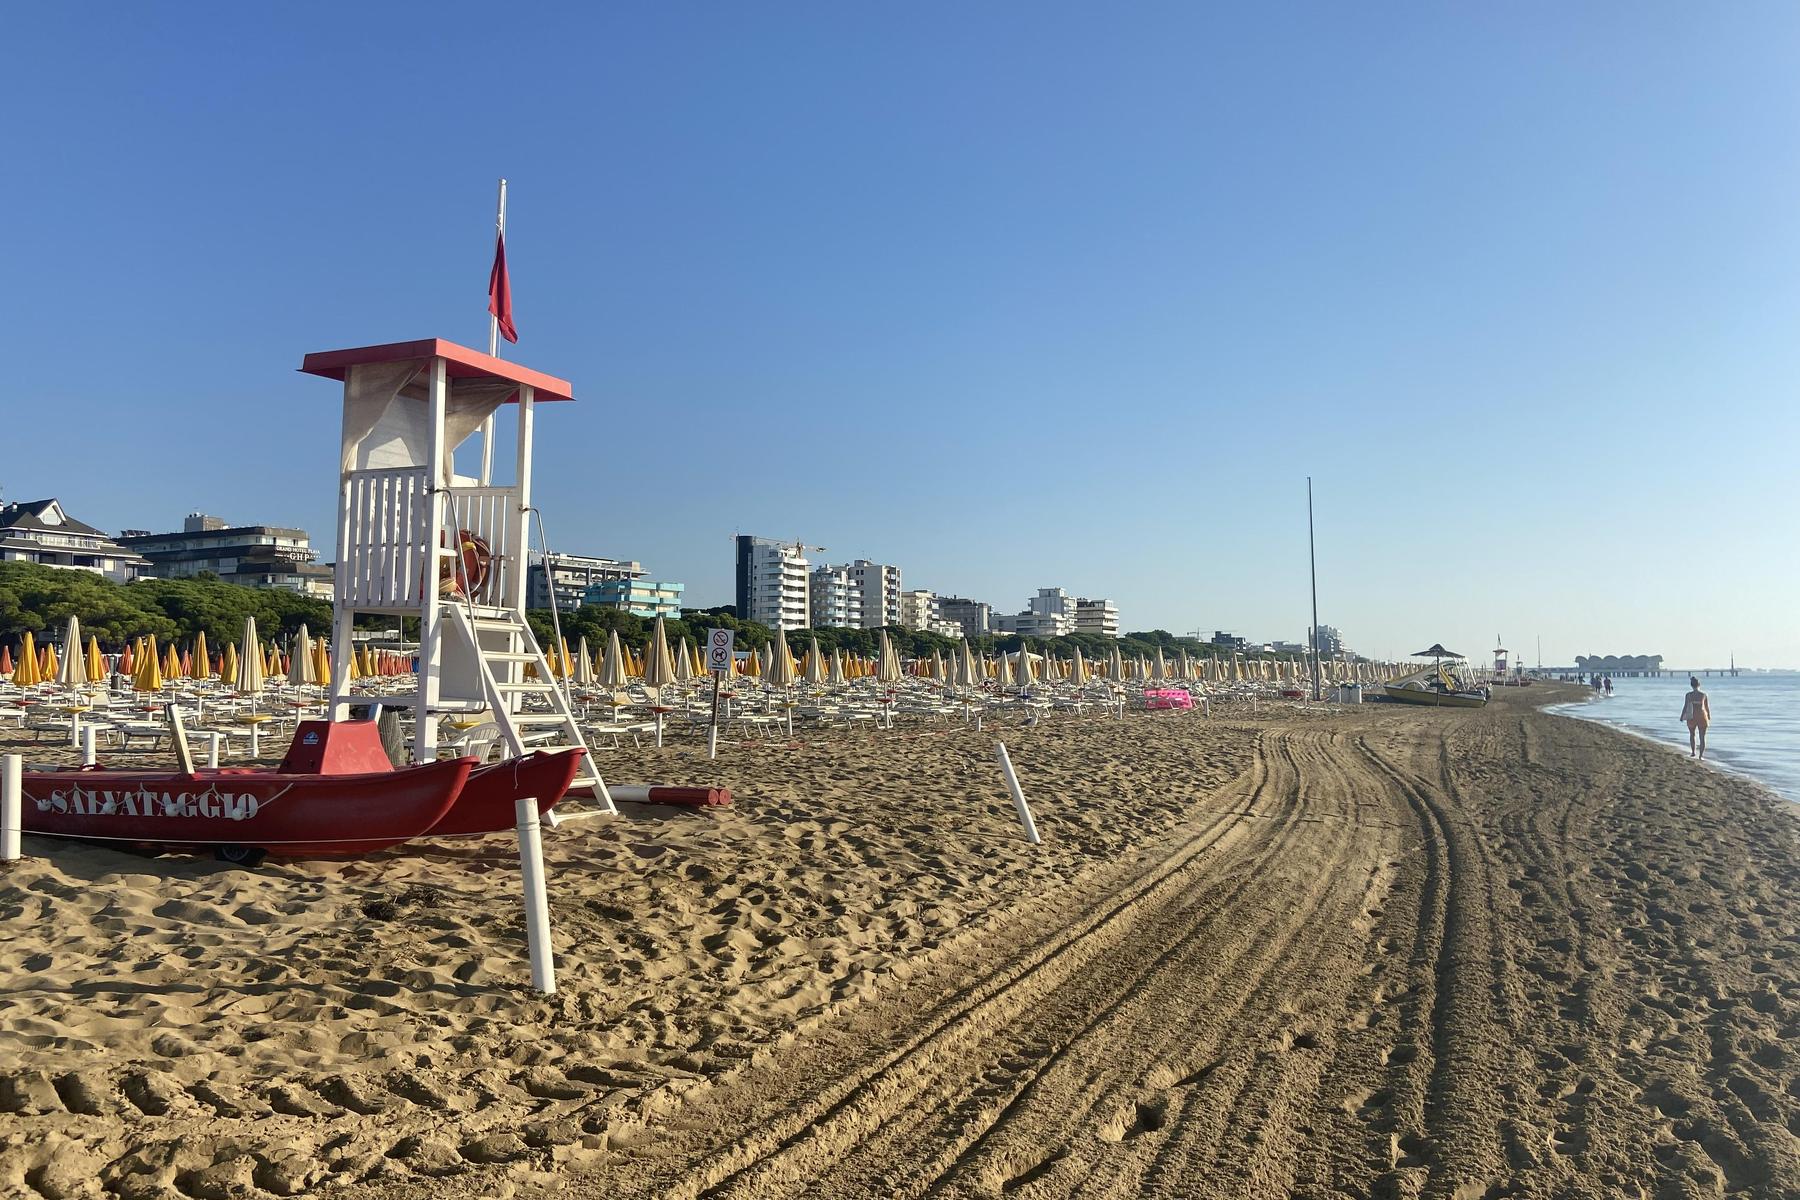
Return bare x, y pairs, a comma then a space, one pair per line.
178, 732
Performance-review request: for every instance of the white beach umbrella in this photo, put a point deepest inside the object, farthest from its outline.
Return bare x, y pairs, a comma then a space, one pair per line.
939, 669
782, 672
1186, 666
1161, 670
684, 662
612, 665
584, 663
1078, 672
887, 662
837, 678
71, 671
249, 681
659, 666
968, 673
1023, 675
300, 661
1115, 670
815, 664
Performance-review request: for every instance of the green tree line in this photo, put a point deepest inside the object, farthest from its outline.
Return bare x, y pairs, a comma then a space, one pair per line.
42, 599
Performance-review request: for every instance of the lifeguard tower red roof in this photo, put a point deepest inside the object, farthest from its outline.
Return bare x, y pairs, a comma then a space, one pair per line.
460, 363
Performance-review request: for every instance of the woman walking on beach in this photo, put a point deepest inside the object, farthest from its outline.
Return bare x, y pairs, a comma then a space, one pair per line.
1697, 712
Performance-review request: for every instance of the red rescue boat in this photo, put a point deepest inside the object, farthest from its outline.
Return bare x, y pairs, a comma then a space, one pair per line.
486, 802
242, 811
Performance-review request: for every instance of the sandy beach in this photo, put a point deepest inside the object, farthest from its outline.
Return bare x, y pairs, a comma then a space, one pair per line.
1379, 951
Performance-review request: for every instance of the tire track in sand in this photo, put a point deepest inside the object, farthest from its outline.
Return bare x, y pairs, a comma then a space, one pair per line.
1072, 1069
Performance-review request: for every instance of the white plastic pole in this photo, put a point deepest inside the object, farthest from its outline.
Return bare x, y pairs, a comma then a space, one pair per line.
12, 799
537, 900
89, 755
1012, 785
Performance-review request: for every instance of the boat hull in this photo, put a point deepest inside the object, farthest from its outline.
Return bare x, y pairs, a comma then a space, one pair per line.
294, 816
486, 803
1406, 695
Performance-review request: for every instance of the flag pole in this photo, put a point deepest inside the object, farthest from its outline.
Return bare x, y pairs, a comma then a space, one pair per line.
1312, 560
487, 426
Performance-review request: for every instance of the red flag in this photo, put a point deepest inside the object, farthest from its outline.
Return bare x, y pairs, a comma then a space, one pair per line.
500, 292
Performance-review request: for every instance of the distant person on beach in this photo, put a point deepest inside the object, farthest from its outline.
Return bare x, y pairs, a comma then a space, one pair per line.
1697, 712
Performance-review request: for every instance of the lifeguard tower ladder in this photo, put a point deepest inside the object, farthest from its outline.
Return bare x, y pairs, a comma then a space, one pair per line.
402, 514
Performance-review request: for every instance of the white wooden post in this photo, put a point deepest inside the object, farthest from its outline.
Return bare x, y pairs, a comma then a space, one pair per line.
1012, 785
431, 665
537, 900
12, 805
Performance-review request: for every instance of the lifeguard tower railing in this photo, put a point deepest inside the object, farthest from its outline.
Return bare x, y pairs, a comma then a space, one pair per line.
387, 561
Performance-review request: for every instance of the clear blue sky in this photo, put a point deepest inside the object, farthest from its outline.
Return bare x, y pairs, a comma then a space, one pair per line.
1012, 295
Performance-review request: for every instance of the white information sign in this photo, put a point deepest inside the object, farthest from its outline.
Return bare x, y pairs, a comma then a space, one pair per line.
719, 649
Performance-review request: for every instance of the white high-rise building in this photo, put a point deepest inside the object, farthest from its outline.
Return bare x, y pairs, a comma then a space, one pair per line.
772, 582
878, 586
835, 603
1096, 616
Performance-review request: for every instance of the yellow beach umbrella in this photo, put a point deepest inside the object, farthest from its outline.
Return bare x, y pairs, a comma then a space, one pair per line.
96, 662
321, 663
52, 665
25, 671
202, 657
228, 666
149, 673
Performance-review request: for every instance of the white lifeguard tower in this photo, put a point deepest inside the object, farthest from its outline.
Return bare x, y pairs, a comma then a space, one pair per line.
415, 539
1500, 653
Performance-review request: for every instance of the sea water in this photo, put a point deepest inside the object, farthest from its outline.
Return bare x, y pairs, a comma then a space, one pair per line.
1755, 721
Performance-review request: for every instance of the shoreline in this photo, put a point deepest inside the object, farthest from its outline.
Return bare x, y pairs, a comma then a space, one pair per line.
1570, 709
1263, 917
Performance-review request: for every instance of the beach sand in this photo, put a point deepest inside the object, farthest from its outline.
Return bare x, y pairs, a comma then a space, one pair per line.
1376, 951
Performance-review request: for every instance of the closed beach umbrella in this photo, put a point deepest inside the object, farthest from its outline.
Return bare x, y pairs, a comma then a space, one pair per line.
96, 662
1078, 671
228, 666
612, 665
49, 664
939, 669
202, 661
888, 664
815, 664
584, 664
300, 660
26, 673
321, 663
149, 673
1161, 670
247, 680
837, 677
782, 671
74, 671
684, 664
659, 666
